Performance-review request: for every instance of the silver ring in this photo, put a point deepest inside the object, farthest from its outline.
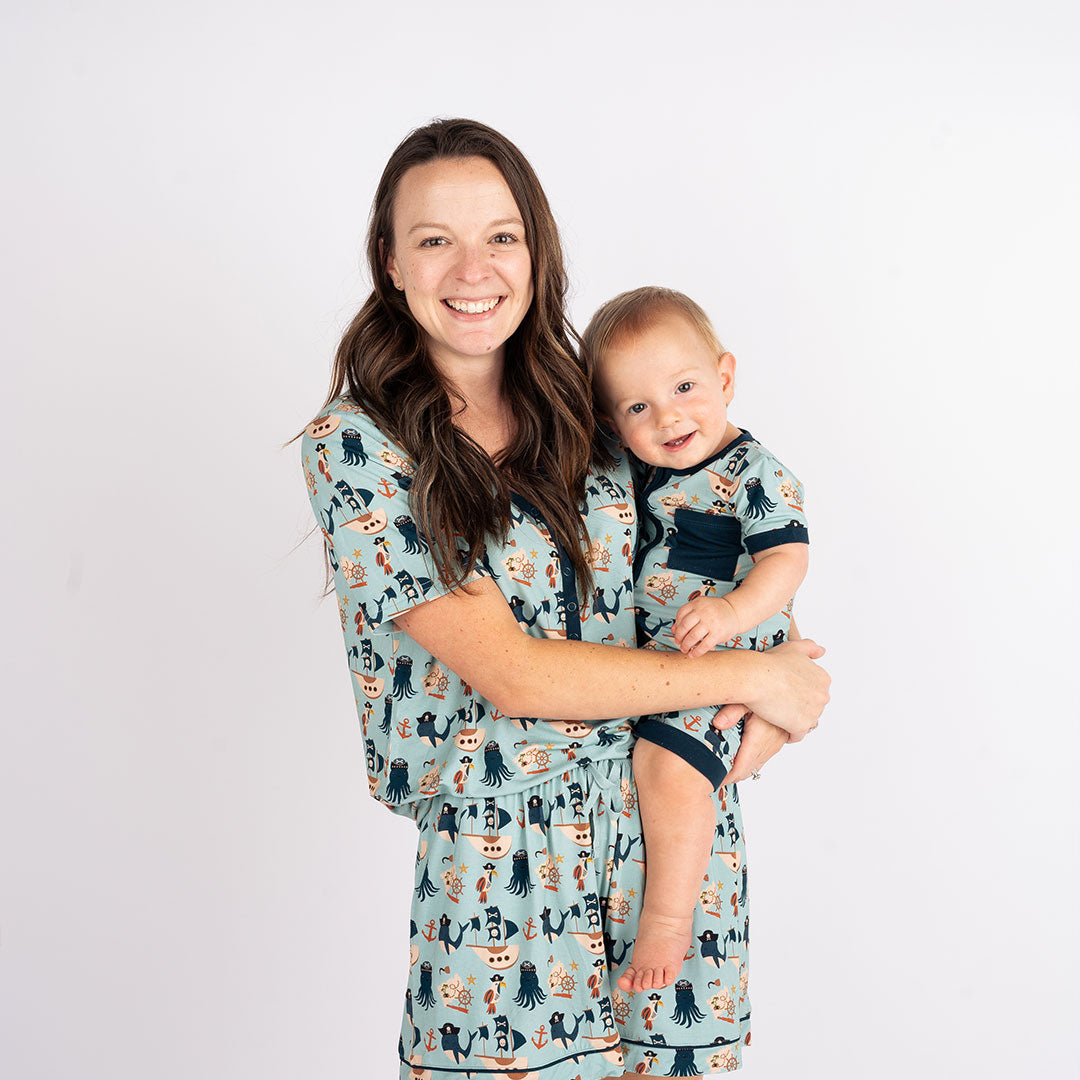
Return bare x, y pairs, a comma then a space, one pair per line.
755, 774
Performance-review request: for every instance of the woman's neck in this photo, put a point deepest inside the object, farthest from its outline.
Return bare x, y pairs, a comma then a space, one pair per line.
486, 416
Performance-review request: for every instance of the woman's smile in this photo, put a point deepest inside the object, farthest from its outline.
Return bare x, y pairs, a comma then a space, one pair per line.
473, 308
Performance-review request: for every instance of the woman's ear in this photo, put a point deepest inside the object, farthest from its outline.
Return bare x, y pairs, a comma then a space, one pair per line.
387, 259
727, 376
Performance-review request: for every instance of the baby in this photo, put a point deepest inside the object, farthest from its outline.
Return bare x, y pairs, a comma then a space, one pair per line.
722, 549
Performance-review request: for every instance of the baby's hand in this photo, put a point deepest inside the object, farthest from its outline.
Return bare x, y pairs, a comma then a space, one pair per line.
703, 623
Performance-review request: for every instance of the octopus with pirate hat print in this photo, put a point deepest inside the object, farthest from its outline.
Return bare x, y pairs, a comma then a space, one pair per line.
479, 529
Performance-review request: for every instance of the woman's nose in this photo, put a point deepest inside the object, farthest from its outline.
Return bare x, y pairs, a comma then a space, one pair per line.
472, 264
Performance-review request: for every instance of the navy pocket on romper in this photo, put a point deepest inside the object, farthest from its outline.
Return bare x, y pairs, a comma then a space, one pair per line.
705, 544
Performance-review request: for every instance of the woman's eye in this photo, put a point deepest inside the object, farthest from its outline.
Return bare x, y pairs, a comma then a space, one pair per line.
505, 238
433, 241
635, 409
684, 387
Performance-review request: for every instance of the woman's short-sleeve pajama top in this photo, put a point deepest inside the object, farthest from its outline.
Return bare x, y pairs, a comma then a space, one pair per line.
426, 733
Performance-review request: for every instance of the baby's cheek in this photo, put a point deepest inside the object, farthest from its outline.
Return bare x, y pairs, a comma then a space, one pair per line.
641, 445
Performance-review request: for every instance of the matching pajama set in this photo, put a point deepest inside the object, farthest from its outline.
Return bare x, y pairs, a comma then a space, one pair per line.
530, 866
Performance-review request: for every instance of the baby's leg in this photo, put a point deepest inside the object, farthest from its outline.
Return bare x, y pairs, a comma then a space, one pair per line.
678, 820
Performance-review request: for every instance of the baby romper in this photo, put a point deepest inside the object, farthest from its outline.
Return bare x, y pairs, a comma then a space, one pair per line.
529, 862
699, 528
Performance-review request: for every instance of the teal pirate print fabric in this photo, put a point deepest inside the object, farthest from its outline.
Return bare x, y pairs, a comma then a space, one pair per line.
525, 908
426, 733
699, 530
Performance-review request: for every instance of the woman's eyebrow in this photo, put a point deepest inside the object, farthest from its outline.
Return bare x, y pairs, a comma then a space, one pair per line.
446, 228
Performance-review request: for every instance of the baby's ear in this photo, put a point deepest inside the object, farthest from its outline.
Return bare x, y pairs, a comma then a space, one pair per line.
607, 426
727, 375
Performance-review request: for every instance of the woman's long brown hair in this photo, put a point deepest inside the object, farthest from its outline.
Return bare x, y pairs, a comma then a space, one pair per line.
382, 364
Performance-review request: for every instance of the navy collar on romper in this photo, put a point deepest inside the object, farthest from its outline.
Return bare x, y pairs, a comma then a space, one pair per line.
649, 534
661, 475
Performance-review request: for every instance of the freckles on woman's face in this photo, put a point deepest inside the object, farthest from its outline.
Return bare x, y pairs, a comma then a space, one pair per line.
461, 255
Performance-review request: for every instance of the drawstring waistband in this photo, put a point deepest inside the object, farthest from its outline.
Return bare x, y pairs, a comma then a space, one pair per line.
602, 783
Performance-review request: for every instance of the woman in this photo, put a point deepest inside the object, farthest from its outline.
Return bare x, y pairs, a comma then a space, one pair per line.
464, 497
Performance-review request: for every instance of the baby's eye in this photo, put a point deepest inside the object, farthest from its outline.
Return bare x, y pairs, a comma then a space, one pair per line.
635, 409
505, 238
433, 241
684, 387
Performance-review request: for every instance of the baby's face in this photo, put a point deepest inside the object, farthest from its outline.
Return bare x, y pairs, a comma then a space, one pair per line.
666, 393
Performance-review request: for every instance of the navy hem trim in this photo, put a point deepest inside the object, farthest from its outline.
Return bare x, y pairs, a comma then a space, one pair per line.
504, 1072
685, 746
683, 1046
789, 534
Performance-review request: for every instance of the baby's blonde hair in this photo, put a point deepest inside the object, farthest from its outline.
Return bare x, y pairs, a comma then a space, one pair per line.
631, 313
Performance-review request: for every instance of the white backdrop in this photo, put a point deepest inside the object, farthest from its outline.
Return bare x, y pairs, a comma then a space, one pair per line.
877, 205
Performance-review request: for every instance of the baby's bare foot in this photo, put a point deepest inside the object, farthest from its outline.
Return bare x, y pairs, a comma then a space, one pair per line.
659, 952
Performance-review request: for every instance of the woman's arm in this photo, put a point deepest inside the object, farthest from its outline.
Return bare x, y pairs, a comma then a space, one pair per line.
475, 634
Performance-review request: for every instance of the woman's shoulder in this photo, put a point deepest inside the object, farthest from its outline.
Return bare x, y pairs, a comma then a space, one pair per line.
348, 425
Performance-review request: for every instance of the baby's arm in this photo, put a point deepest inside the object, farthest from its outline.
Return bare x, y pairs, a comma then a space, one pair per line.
707, 621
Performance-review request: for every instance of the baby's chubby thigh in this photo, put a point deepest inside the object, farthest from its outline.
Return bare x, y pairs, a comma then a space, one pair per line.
691, 736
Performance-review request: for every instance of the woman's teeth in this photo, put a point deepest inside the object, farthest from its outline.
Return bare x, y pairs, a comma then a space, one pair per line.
473, 307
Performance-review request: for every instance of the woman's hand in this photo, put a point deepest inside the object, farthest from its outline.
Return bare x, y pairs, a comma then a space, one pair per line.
760, 741
790, 690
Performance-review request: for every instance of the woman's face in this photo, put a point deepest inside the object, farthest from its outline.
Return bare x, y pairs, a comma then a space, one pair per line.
460, 253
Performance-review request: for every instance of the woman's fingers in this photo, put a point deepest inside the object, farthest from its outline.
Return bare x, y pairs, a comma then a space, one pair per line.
729, 716
810, 647
760, 741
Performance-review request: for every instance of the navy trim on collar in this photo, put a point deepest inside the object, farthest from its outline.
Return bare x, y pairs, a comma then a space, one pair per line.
743, 436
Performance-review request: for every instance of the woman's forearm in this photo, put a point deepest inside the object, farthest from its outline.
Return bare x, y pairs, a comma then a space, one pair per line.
580, 680
475, 635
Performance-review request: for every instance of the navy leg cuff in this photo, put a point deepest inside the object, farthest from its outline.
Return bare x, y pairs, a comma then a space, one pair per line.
682, 743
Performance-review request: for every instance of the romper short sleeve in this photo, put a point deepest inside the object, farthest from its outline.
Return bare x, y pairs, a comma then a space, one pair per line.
358, 484
767, 498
